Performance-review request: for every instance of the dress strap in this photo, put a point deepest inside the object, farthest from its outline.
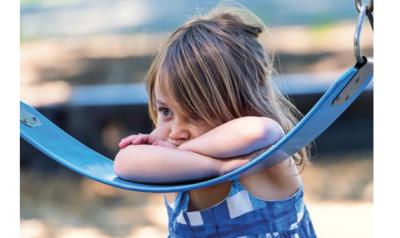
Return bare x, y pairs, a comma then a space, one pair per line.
182, 201
236, 186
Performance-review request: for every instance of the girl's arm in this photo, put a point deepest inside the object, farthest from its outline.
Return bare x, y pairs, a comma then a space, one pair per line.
157, 164
238, 137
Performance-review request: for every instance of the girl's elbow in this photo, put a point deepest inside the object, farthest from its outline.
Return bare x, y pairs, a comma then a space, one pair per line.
117, 164
121, 165
276, 130
268, 131
128, 165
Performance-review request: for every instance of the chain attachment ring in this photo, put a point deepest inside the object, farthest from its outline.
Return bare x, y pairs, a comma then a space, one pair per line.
359, 5
357, 35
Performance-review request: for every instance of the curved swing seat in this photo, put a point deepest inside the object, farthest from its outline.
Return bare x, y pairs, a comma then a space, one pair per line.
37, 130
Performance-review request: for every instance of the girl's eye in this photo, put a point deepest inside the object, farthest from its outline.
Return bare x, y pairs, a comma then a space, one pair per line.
165, 112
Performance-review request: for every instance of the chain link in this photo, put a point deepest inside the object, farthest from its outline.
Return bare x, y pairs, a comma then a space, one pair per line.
370, 7
357, 35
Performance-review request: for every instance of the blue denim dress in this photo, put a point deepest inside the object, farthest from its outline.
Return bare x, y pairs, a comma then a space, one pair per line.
241, 214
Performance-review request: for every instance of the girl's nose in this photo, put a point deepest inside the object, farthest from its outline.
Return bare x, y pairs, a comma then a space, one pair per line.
179, 133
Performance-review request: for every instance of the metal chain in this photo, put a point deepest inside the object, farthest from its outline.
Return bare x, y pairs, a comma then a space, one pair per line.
370, 9
359, 5
364, 9
357, 35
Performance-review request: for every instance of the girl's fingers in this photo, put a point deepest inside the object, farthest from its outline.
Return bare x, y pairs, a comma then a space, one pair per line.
127, 141
123, 144
151, 139
144, 139
129, 138
163, 144
232, 164
137, 140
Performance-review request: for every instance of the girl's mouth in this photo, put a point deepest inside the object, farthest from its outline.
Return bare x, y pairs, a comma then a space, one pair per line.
176, 142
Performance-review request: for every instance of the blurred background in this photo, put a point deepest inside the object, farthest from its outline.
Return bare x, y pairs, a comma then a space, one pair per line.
83, 65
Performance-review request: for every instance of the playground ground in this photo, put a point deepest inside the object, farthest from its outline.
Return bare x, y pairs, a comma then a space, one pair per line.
64, 205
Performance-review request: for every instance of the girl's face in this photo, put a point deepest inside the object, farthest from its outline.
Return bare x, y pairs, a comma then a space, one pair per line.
172, 124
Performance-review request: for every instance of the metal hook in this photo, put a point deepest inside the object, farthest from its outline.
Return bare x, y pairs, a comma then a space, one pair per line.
370, 9
370, 5
357, 35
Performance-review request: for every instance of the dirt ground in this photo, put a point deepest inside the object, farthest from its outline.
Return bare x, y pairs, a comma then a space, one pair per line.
64, 205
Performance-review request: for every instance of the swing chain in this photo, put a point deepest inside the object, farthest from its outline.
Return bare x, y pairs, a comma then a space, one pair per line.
364, 9
370, 9
359, 5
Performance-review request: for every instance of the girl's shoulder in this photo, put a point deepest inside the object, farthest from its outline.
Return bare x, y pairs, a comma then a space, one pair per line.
274, 183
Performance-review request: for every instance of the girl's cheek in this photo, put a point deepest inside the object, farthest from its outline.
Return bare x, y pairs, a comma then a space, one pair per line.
162, 131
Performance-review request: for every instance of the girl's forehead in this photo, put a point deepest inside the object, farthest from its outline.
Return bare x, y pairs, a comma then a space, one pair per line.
163, 95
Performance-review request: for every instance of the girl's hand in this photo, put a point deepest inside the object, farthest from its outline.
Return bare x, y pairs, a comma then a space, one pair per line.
144, 139
164, 144
228, 165
232, 164
137, 140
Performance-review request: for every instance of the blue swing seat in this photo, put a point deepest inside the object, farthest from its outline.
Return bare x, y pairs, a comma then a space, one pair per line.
37, 130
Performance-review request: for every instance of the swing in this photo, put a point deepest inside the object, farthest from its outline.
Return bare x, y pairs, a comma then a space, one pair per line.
45, 136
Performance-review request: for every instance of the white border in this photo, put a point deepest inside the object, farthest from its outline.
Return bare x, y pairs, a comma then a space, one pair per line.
9, 65
386, 119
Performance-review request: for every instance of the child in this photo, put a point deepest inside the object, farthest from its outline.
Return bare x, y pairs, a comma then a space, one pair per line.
214, 107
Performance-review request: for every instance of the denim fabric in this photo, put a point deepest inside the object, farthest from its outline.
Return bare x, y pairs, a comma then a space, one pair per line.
241, 214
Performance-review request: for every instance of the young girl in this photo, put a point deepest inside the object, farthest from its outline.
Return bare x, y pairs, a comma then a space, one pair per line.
214, 107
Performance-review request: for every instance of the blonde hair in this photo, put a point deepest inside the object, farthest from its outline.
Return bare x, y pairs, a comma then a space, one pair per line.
217, 70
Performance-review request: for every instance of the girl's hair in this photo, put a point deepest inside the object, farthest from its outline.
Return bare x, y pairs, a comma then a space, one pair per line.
217, 70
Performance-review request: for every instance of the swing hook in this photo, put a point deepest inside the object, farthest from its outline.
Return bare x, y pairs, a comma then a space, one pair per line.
370, 9
370, 5
363, 10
